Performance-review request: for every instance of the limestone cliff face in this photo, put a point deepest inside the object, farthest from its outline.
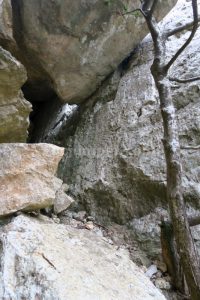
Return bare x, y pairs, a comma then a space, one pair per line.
114, 160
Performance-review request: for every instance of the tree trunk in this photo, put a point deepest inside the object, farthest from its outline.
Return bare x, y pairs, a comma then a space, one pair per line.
171, 257
188, 256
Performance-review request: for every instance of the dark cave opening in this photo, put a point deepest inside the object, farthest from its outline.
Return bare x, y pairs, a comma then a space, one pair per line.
42, 97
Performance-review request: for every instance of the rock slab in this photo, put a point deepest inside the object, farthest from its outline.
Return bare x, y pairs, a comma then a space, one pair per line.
27, 176
43, 260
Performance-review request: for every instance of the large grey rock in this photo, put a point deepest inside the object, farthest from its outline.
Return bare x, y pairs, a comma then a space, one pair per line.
74, 45
14, 109
114, 158
27, 176
43, 260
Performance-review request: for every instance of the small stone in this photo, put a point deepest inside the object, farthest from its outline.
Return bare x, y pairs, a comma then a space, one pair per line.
161, 266
162, 284
143, 268
151, 271
98, 232
55, 219
80, 216
62, 200
90, 218
159, 274
89, 225
67, 214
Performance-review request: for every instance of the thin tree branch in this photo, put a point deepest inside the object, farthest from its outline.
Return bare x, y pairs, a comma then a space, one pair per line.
180, 28
194, 29
146, 9
191, 147
132, 11
184, 80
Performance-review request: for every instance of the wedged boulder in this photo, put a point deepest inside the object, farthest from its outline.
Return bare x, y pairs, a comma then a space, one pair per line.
74, 45
114, 160
27, 177
44, 260
14, 109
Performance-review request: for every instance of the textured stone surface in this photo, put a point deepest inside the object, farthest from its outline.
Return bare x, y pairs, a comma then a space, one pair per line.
146, 231
74, 45
62, 200
114, 160
27, 176
6, 25
42, 260
14, 109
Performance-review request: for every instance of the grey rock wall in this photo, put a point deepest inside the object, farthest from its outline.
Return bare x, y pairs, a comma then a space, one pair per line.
114, 161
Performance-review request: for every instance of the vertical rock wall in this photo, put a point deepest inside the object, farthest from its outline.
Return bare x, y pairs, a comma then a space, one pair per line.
115, 161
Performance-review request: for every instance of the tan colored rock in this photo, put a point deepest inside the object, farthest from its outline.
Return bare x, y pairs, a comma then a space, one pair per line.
14, 109
89, 225
74, 45
43, 260
27, 176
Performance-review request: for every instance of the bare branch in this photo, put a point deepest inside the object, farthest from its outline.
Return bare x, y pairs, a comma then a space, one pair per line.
191, 147
184, 80
180, 28
146, 9
194, 29
132, 11
157, 38
51, 264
